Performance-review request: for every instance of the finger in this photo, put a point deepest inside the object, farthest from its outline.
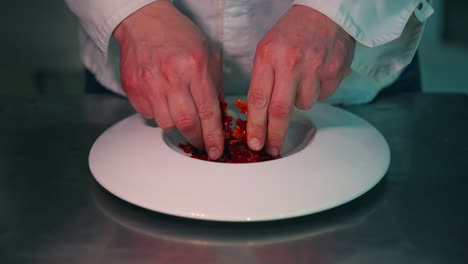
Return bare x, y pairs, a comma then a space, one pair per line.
258, 99
155, 90
328, 87
308, 92
206, 101
141, 105
216, 70
161, 111
184, 115
279, 111
134, 92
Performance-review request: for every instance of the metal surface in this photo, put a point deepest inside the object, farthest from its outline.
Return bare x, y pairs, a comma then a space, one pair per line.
52, 211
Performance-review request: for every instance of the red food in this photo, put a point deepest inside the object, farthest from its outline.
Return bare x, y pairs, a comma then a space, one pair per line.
236, 149
242, 106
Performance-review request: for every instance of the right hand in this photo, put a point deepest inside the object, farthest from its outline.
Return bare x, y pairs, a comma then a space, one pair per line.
171, 73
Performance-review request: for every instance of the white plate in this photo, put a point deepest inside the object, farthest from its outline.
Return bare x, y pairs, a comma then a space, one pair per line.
343, 159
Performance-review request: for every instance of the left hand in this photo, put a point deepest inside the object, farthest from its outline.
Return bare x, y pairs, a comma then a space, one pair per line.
303, 58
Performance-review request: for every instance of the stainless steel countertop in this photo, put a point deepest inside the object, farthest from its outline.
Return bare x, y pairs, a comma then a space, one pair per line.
52, 210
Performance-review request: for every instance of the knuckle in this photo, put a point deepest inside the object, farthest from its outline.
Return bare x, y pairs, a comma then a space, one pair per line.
319, 51
180, 63
332, 69
257, 98
279, 110
146, 74
185, 122
189, 62
205, 112
262, 46
193, 60
264, 49
198, 54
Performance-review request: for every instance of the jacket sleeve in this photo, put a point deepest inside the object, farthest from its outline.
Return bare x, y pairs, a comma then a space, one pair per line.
99, 18
387, 32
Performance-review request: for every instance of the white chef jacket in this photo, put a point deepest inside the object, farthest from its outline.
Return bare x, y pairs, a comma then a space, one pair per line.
387, 34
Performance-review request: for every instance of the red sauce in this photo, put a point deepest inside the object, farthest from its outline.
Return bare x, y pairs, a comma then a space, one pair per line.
236, 149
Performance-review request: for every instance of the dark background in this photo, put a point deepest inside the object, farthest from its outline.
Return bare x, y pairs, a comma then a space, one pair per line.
39, 48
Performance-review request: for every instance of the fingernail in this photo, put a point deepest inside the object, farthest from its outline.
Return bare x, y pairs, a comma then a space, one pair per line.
272, 151
214, 153
254, 144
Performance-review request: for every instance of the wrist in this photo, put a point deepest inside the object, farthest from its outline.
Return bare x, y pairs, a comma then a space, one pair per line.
120, 30
124, 27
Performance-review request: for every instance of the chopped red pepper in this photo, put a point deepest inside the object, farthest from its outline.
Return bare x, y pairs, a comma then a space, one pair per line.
236, 149
242, 106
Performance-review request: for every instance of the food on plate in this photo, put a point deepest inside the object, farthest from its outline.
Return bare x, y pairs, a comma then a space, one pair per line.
236, 149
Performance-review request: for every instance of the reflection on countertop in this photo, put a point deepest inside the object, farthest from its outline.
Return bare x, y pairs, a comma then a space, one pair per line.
260, 242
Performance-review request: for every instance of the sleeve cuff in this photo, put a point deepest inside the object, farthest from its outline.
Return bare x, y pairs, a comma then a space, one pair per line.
387, 32
371, 22
100, 18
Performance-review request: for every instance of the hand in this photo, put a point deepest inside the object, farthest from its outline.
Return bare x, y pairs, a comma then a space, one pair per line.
170, 73
301, 59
